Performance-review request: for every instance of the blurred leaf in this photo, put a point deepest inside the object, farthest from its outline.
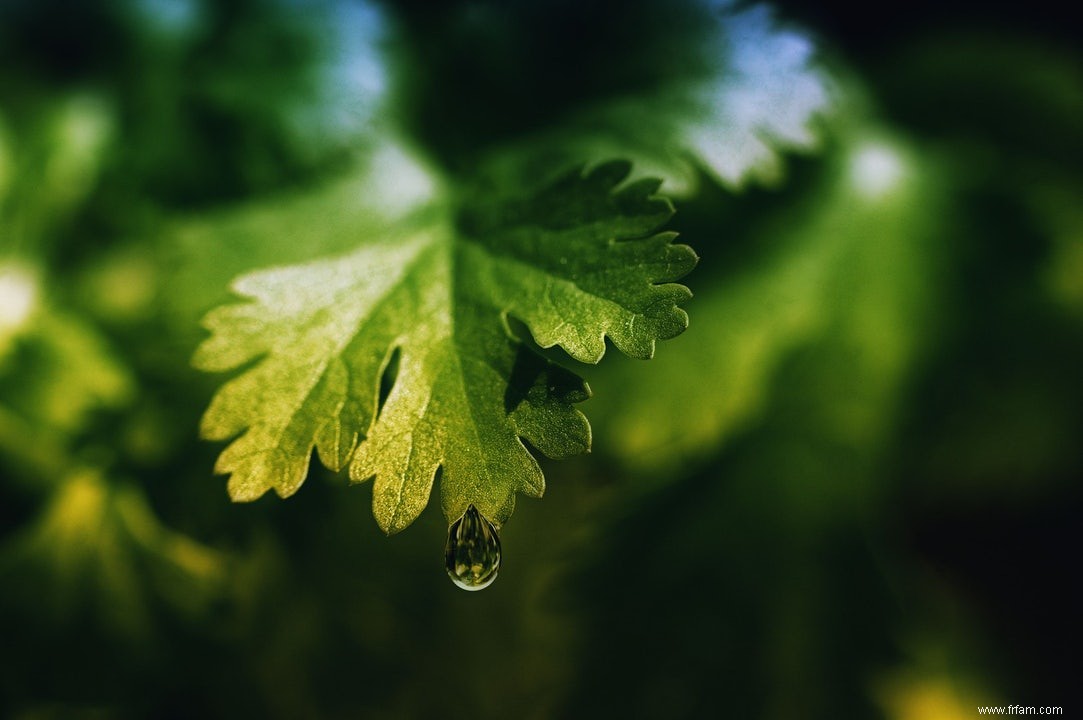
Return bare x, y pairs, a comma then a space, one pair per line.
20, 295
845, 267
576, 261
754, 93
56, 153
62, 371
57, 370
99, 545
761, 99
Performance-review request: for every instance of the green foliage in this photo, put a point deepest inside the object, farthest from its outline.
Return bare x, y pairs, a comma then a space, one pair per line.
424, 295
99, 543
576, 261
808, 287
806, 493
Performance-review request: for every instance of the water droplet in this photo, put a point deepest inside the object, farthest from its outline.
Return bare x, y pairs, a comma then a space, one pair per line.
472, 554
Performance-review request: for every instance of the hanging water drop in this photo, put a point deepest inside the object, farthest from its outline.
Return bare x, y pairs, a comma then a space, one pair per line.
472, 554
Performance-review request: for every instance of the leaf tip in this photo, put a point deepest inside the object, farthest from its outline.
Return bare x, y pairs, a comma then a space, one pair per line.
242, 490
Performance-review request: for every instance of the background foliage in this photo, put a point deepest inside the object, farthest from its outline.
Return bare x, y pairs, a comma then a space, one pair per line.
848, 490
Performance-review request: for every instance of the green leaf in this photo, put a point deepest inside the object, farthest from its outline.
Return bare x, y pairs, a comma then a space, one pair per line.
844, 269
755, 93
576, 262
56, 370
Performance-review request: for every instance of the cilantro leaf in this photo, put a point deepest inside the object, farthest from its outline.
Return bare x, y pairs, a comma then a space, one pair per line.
752, 92
859, 245
576, 262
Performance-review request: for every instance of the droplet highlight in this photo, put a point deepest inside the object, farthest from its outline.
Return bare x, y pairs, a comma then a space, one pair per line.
472, 555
